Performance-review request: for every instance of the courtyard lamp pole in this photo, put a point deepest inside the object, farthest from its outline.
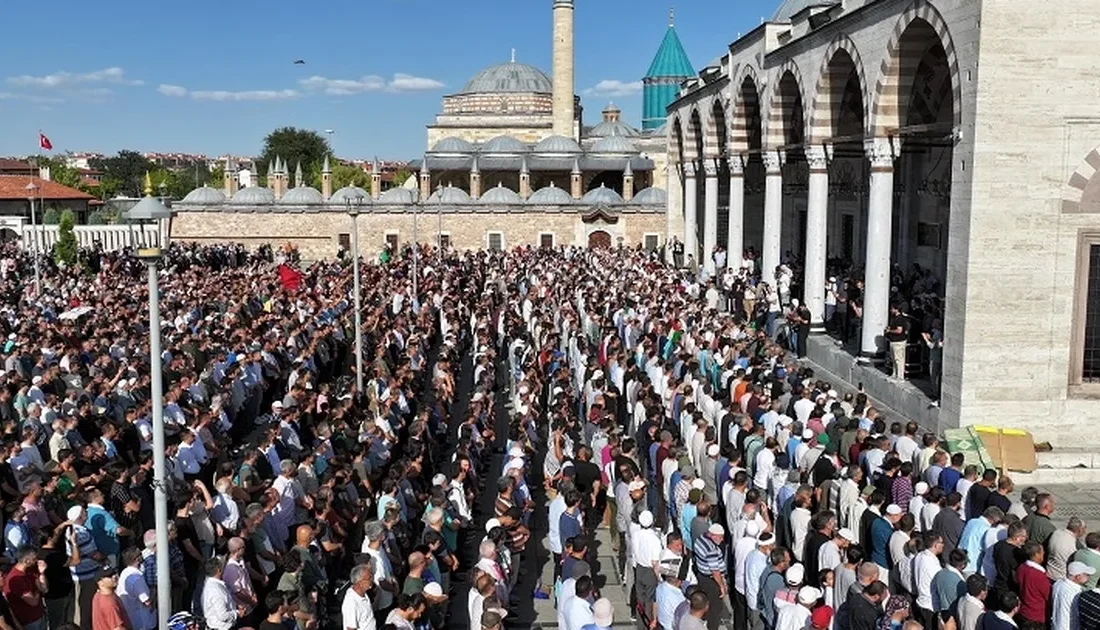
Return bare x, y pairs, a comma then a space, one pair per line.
439, 222
353, 212
31, 189
151, 210
416, 252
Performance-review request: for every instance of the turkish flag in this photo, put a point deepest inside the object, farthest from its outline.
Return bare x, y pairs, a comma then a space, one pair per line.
44, 142
290, 278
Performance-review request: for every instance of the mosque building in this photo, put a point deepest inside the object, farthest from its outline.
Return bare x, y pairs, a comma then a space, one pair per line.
900, 135
509, 161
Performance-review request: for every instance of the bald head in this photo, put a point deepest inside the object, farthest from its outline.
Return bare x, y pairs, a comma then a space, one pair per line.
868, 573
304, 535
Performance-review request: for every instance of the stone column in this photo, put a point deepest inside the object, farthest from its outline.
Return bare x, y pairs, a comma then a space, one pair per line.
576, 181
563, 90
736, 235
524, 180
710, 213
425, 182
876, 279
817, 227
674, 213
628, 182
691, 241
773, 214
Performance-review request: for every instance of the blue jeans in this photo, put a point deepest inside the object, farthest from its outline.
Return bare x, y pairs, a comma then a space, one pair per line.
769, 323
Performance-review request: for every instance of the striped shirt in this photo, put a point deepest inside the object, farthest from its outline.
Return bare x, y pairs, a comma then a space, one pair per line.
86, 568
1088, 610
709, 556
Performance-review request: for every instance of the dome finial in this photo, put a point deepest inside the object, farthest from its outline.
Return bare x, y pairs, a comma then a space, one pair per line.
671, 17
513, 55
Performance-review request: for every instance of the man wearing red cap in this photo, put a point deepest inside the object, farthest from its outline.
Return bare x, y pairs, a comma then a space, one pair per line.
821, 617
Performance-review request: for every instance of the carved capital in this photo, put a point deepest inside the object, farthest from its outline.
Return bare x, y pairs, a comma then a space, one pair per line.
882, 152
737, 164
774, 160
710, 168
689, 168
817, 158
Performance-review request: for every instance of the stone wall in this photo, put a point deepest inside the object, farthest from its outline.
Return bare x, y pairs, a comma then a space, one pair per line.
317, 235
531, 132
497, 104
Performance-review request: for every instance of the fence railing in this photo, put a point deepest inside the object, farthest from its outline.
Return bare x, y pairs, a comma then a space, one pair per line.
109, 237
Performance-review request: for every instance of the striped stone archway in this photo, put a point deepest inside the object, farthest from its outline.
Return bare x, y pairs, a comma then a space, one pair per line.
716, 134
676, 137
694, 137
779, 104
889, 107
1082, 193
744, 101
829, 92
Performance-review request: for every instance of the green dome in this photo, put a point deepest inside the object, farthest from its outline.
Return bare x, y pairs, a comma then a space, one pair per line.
671, 60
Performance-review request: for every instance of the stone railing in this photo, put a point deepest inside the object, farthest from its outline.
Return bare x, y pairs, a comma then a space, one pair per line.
110, 237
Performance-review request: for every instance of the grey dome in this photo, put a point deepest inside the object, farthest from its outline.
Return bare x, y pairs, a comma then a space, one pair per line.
398, 196
613, 144
204, 195
617, 128
790, 7
601, 196
509, 77
501, 196
253, 196
557, 144
450, 194
550, 196
504, 144
302, 196
651, 196
453, 145
349, 193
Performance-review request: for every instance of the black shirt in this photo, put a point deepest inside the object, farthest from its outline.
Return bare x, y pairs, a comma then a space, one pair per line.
898, 321
976, 500
863, 615
1006, 559
587, 475
58, 576
996, 499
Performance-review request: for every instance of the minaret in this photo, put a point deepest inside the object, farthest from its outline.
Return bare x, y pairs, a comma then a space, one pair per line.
564, 91
425, 181
326, 180
475, 180
298, 175
375, 179
524, 180
628, 182
576, 180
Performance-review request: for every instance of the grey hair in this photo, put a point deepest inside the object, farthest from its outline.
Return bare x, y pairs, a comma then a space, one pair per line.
1075, 524
374, 530
487, 548
287, 466
253, 510
359, 571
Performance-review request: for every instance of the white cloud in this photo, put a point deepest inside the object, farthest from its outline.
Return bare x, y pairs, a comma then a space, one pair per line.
113, 75
614, 88
30, 98
172, 90
370, 83
227, 95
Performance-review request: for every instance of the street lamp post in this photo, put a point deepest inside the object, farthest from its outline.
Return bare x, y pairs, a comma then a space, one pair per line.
439, 223
416, 251
31, 189
353, 212
149, 209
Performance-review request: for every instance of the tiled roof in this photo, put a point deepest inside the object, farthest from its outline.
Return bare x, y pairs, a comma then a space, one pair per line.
670, 60
8, 165
15, 187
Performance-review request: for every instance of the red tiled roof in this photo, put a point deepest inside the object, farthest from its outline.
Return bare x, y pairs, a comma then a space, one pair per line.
16, 166
15, 187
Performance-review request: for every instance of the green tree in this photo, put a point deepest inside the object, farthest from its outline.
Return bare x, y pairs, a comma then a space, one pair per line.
65, 250
61, 172
294, 146
349, 175
51, 216
98, 218
123, 173
400, 176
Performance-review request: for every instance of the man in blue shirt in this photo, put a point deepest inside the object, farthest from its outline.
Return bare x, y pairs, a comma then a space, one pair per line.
949, 477
881, 531
104, 528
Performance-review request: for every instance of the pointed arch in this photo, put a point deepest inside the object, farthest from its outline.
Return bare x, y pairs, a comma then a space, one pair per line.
786, 107
693, 149
1082, 192
901, 60
841, 56
745, 124
676, 140
717, 136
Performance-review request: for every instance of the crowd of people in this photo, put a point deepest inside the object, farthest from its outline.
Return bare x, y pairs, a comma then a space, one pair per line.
509, 400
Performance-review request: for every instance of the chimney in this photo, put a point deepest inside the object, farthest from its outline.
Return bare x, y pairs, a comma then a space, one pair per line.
227, 178
375, 179
475, 180
298, 175
326, 180
564, 91
628, 182
425, 181
576, 180
524, 180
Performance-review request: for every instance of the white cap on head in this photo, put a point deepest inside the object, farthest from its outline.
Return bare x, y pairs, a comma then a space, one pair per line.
698, 484
808, 595
893, 510
645, 519
439, 479
635, 485
795, 574
807, 434
603, 612
712, 450
433, 589
491, 524
921, 488
1079, 568
74, 512
716, 530
847, 534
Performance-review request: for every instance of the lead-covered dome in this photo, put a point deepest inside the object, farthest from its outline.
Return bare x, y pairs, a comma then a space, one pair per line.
398, 196
204, 196
509, 77
650, 196
349, 193
557, 144
451, 195
503, 144
253, 196
601, 196
453, 145
607, 129
614, 144
501, 196
550, 196
302, 196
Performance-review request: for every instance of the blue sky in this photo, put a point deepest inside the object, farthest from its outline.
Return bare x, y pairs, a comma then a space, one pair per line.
215, 77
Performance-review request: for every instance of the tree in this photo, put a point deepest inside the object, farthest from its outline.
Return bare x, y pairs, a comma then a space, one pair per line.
349, 175
65, 250
294, 146
123, 173
61, 172
51, 216
400, 176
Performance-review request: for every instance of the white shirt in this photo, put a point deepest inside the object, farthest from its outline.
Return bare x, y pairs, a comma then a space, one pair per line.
925, 569
645, 547
356, 612
289, 493
1064, 595
792, 617
906, 448
557, 507
577, 614
800, 526
133, 592
765, 464
828, 556
741, 551
217, 605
